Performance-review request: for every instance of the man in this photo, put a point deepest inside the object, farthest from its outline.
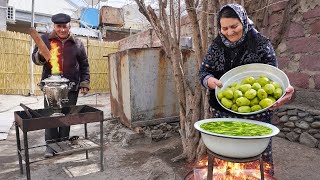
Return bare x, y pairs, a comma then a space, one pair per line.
73, 63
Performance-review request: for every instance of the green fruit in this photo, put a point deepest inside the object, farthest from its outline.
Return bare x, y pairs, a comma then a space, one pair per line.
266, 102
226, 102
250, 94
269, 88
272, 98
234, 107
232, 85
256, 86
237, 94
277, 93
220, 95
255, 108
263, 80
228, 93
237, 87
262, 94
275, 84
244, 109
245, 87
243, 101
254, 101
248, 80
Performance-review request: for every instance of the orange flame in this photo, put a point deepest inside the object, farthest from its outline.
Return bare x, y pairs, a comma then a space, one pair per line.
224, 170
54, 61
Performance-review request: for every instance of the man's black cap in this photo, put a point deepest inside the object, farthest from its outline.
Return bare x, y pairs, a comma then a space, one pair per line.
60, 18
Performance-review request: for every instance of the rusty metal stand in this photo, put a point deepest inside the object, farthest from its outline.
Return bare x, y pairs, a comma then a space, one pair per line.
26, 124
212, 156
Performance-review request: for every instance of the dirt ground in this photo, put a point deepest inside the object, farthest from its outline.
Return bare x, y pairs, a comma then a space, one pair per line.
144, 159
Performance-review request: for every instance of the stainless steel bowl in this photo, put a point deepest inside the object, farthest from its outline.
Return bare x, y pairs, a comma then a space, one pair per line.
235, 146
255, 70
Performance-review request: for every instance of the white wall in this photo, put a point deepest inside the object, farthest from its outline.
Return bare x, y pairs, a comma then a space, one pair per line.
133, 18
3, 15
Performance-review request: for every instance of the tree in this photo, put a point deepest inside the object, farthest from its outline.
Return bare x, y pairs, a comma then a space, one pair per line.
190, 98
193, 104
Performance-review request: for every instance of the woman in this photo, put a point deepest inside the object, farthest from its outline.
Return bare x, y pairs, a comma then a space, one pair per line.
238, 43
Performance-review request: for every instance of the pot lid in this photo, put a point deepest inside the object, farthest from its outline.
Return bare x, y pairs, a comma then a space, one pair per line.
55, 78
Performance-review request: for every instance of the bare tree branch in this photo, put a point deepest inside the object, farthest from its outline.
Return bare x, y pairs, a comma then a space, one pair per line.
288, 14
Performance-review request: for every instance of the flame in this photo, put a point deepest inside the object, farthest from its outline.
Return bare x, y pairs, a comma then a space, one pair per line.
224, 170
54, 61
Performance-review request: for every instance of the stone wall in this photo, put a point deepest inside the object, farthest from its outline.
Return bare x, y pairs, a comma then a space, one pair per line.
299, 50
298, 54
299, 125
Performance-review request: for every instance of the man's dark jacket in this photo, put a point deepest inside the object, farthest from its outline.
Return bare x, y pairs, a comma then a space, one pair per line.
73, 60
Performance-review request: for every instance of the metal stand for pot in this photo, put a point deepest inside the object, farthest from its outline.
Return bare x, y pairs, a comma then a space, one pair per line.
212, 155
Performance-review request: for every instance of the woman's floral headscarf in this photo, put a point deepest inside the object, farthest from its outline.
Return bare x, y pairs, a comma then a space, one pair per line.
246, 22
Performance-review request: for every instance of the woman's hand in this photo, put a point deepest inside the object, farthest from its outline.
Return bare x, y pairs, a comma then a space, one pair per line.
285, 98
213, 83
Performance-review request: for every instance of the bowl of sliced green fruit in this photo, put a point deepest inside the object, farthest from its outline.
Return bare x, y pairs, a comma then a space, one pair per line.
234, 137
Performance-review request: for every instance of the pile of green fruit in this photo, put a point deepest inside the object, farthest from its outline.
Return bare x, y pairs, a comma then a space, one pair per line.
250, 95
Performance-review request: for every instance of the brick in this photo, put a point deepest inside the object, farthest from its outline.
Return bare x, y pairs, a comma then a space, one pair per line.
295, 30
304, 44
283, 62
278, 6
315, 12
298, 79
274, 31
310, 62
275, 18
317, 81
315, 27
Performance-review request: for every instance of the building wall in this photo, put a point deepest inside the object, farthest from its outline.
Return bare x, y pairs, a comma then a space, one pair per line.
3, 15
299, 51
133, 18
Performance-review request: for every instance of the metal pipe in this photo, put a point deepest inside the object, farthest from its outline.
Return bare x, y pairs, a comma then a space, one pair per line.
31, 50
29, 111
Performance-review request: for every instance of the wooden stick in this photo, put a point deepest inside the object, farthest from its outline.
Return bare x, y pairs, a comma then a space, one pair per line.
39, 42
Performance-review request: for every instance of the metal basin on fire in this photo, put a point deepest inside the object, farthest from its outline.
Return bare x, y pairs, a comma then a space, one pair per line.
235, 146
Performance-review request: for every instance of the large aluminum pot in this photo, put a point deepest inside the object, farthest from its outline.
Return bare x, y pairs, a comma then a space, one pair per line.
235, 146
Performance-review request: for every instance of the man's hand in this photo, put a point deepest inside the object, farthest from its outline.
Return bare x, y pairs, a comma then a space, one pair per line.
84, 90
285, 98
213, 83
